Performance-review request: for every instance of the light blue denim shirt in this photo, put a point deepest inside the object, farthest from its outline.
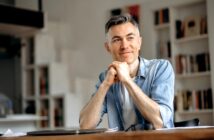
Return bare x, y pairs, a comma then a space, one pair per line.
156, 79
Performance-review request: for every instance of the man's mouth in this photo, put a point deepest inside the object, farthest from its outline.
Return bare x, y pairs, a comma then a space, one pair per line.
122, 53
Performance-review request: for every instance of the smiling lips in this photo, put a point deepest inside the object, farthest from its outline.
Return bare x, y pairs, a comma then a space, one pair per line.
125, 53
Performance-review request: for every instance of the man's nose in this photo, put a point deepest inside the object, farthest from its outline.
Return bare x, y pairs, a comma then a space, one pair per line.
124, 43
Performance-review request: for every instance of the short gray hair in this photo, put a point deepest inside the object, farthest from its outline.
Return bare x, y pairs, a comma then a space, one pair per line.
120, 19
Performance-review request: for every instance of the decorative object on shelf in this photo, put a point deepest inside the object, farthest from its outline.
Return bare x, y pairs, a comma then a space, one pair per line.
30, 109
43, 80
58, 112
192, 26
6, 105
44, 112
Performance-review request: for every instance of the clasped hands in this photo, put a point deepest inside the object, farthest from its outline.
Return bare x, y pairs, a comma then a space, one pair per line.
117, 71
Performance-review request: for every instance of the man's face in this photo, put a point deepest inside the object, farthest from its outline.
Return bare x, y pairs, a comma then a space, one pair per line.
123, 42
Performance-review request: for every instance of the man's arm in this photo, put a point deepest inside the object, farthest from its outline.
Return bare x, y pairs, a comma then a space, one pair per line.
147, 107
90, 114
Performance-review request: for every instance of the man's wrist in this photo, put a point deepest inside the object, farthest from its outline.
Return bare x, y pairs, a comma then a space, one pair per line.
105, 84
127, 81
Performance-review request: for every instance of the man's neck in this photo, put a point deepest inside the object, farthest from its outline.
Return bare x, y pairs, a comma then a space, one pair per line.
134, 68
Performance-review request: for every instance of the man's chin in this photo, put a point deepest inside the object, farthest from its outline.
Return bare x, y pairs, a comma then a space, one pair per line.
128, 61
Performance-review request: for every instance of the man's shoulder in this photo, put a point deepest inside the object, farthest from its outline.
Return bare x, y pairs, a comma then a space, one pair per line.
102, 75
149, 62
156, 65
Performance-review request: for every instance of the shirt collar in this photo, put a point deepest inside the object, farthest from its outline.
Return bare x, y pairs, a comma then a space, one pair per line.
142, 67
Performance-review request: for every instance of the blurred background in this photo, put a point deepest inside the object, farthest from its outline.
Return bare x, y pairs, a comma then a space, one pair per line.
51, 53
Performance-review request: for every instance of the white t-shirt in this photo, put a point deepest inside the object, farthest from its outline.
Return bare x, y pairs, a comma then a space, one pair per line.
128, 109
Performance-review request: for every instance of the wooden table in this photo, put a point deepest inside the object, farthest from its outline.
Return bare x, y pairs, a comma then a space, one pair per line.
175, 134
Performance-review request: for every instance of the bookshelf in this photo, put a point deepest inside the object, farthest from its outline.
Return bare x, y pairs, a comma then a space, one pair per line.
163, 44
182, 37
45, 82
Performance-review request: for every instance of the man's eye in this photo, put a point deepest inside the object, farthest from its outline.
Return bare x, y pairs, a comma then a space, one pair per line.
115, 40
130, 38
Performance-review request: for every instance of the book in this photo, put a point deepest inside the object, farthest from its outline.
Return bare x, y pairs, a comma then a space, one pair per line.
161, 16
203, 25
134, 10
179, 29
165, 15
156, 17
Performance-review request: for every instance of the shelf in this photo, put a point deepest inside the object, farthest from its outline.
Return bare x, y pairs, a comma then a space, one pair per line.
162, 26
45, 84
193, 75
30, 98
34, 66
17, 30
43, 97
20, 22
29, 67
204, 111
186, 31
194, 38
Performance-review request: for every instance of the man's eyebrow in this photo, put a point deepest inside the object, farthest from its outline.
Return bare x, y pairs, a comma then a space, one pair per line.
131, 34
116, 37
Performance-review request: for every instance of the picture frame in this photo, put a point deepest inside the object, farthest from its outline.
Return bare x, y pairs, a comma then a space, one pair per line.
192, 26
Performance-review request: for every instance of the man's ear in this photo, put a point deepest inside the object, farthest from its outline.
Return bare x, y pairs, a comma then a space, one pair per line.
140, 42
107, 47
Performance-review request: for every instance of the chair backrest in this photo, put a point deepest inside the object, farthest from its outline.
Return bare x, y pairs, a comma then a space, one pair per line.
186, 123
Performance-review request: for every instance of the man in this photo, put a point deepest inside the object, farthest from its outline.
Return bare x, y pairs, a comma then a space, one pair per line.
135, 93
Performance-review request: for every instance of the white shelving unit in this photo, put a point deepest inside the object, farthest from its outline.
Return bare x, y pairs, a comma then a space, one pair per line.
193, 86
163, 43
45, 82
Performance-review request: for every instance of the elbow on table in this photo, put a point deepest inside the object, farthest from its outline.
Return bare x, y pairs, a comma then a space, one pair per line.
86, 124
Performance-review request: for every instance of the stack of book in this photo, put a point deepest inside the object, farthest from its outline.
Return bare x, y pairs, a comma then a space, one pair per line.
194, 99
161, 16
192, 63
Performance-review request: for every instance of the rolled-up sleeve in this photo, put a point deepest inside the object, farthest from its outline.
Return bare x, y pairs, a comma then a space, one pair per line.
162, 90
104, 107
